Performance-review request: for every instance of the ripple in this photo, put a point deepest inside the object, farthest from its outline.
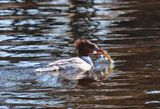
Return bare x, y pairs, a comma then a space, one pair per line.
153, 92
5, 1
29, 22
26, 64
49, 102
5, 12
152, 102
5, 22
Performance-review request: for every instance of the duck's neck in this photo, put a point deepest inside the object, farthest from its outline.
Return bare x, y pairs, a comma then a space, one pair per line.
87, 59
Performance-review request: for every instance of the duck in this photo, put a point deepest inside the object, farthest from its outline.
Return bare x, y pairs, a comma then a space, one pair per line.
74, 68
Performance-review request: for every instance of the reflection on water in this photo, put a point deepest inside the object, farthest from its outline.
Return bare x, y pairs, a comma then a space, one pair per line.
34, 33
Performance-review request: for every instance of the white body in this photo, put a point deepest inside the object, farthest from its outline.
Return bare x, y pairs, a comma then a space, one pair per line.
73, 68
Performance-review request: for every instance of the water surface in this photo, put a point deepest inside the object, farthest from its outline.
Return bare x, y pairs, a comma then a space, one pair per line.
36, 32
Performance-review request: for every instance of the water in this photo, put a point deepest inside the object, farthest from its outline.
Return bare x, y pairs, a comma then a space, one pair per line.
36, 32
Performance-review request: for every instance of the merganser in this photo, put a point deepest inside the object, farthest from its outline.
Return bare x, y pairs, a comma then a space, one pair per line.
75, 68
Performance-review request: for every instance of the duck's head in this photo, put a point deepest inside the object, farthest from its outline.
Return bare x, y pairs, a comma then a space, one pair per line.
85, 47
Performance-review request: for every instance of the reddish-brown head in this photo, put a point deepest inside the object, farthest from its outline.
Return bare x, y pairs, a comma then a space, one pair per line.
85, 47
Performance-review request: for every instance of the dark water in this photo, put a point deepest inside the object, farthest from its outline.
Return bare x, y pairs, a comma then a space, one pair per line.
36, 32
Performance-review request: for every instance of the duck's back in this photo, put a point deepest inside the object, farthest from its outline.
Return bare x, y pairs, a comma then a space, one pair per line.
72, 68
